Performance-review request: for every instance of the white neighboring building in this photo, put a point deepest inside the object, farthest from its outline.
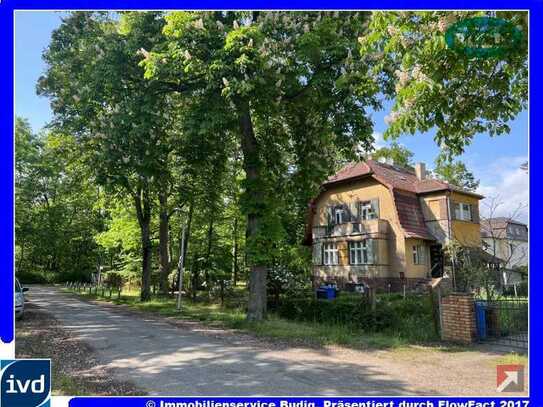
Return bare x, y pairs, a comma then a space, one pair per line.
507, 239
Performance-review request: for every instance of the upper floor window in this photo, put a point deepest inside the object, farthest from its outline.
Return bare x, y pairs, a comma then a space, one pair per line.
462, 211
331, 254
418, 254
339, 215
367, 211
361, 252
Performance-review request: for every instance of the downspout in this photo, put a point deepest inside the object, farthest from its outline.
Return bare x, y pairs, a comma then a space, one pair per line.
449, 227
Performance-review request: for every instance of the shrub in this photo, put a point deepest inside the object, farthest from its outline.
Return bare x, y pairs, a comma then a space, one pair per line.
409, 317
33, 277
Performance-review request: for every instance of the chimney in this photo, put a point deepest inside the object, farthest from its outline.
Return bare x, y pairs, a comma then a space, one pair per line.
420, 170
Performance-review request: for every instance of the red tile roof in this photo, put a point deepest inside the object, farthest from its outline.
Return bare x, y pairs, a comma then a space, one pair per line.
393, 177
404, 184
410, 215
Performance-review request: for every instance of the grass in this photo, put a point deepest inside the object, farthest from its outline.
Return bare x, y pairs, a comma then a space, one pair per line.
297, 332
513, 359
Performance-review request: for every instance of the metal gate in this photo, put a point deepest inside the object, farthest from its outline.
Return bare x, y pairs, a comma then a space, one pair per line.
503, 322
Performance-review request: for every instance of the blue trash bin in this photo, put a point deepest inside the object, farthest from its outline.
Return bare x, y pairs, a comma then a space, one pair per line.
321, 294
331, 293
480, 319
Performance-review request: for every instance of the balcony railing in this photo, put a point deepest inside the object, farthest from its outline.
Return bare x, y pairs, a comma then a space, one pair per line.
364, 227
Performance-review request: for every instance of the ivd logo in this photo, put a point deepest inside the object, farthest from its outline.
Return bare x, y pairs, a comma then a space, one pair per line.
25, 383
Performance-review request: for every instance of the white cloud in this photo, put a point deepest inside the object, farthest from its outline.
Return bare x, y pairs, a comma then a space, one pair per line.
379, 140
508, 185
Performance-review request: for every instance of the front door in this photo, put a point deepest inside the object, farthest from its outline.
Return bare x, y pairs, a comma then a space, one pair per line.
436, 260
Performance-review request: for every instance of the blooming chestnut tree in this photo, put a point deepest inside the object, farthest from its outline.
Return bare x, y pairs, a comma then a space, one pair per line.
434, 86
271, 68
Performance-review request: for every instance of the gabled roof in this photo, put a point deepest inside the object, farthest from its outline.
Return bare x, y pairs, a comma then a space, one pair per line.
394, 177
405, 187
497, 227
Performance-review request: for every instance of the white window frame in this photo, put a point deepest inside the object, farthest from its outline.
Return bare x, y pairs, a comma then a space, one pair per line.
330, 254
358, 252
366, 211
339, 214
462, 211
419, 254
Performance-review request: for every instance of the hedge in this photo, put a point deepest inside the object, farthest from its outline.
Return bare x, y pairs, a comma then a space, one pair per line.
409, 317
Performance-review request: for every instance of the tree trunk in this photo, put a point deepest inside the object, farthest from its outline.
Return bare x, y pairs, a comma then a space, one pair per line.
20, 264
252, 166
187, 238
164, 241
235, 265
208, 252
143, 211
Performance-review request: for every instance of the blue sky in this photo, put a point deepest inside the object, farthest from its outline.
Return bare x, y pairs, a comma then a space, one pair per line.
494, 160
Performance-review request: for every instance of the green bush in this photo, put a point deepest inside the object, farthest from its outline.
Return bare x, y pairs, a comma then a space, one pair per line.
409, 317
33, 277
41, 277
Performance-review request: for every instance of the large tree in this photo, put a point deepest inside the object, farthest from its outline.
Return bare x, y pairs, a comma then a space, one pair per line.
56, 217
396, 152
264, 66
455, 172
436, 87
98, 93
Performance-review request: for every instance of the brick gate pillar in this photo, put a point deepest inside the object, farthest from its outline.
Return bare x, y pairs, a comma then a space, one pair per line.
458, 318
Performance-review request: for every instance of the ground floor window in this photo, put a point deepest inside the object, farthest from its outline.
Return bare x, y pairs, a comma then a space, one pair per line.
331, 254
419, 254
361, 252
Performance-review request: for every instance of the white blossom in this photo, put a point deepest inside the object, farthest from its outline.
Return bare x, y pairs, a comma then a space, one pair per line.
418, 75
187, 55
144, 52
446, 21
199, 24
220, 25
409, 103
235, 25
392, 117
403, 78
225, 81
392, 30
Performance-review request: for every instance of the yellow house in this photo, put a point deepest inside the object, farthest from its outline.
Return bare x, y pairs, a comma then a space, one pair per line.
385, 226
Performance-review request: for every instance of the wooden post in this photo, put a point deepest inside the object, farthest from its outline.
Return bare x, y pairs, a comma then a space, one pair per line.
435, 300
371, 298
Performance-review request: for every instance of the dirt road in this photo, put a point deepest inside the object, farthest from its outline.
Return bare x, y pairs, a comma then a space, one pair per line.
168, 360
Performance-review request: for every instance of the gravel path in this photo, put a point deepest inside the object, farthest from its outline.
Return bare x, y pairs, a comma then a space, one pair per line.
165, 360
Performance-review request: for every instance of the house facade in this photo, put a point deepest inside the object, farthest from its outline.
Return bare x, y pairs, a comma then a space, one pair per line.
506, 239
385, 226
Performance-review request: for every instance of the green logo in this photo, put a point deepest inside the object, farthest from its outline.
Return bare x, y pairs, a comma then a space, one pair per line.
483, 37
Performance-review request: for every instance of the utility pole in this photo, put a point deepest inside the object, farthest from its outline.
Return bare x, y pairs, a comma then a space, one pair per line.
180, 268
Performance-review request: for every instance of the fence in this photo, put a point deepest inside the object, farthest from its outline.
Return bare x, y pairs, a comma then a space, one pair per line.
503, 322
96, 289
